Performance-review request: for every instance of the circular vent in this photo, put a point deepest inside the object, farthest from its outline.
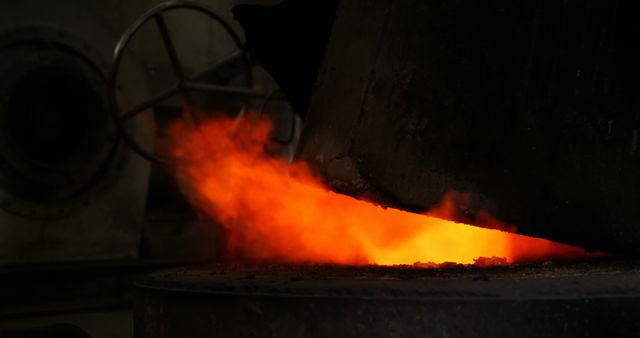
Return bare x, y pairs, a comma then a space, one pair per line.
56, 137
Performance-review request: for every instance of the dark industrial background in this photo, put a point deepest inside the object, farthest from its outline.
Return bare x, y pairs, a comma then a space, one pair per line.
75, 230
530, 107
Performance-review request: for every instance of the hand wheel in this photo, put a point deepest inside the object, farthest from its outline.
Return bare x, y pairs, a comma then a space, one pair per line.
184, 84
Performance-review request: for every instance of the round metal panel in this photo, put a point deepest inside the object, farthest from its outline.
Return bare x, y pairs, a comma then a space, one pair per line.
69, 188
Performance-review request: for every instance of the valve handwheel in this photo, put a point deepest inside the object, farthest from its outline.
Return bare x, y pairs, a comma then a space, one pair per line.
184, 84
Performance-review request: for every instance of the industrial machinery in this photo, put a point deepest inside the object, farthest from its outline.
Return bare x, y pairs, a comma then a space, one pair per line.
214, 80
82, 205
527, 108
79, 126
69, 188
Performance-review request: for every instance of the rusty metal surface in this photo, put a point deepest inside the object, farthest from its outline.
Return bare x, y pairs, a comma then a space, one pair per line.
541, 300
529, 106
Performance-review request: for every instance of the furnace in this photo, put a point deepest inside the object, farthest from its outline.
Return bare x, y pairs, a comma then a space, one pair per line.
551, 300
315, 168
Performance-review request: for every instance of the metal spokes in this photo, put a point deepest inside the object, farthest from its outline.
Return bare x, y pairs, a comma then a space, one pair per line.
184, 84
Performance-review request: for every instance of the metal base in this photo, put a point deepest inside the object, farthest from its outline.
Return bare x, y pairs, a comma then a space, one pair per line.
547, 300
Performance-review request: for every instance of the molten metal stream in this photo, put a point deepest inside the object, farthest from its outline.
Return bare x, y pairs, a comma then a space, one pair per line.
281, 212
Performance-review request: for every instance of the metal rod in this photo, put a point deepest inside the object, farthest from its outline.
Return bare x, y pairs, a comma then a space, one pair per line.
168, 44
150, 103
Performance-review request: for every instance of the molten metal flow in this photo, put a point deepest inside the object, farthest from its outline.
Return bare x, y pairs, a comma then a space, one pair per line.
277, 211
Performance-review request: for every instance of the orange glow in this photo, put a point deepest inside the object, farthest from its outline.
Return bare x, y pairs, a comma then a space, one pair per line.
281, 212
